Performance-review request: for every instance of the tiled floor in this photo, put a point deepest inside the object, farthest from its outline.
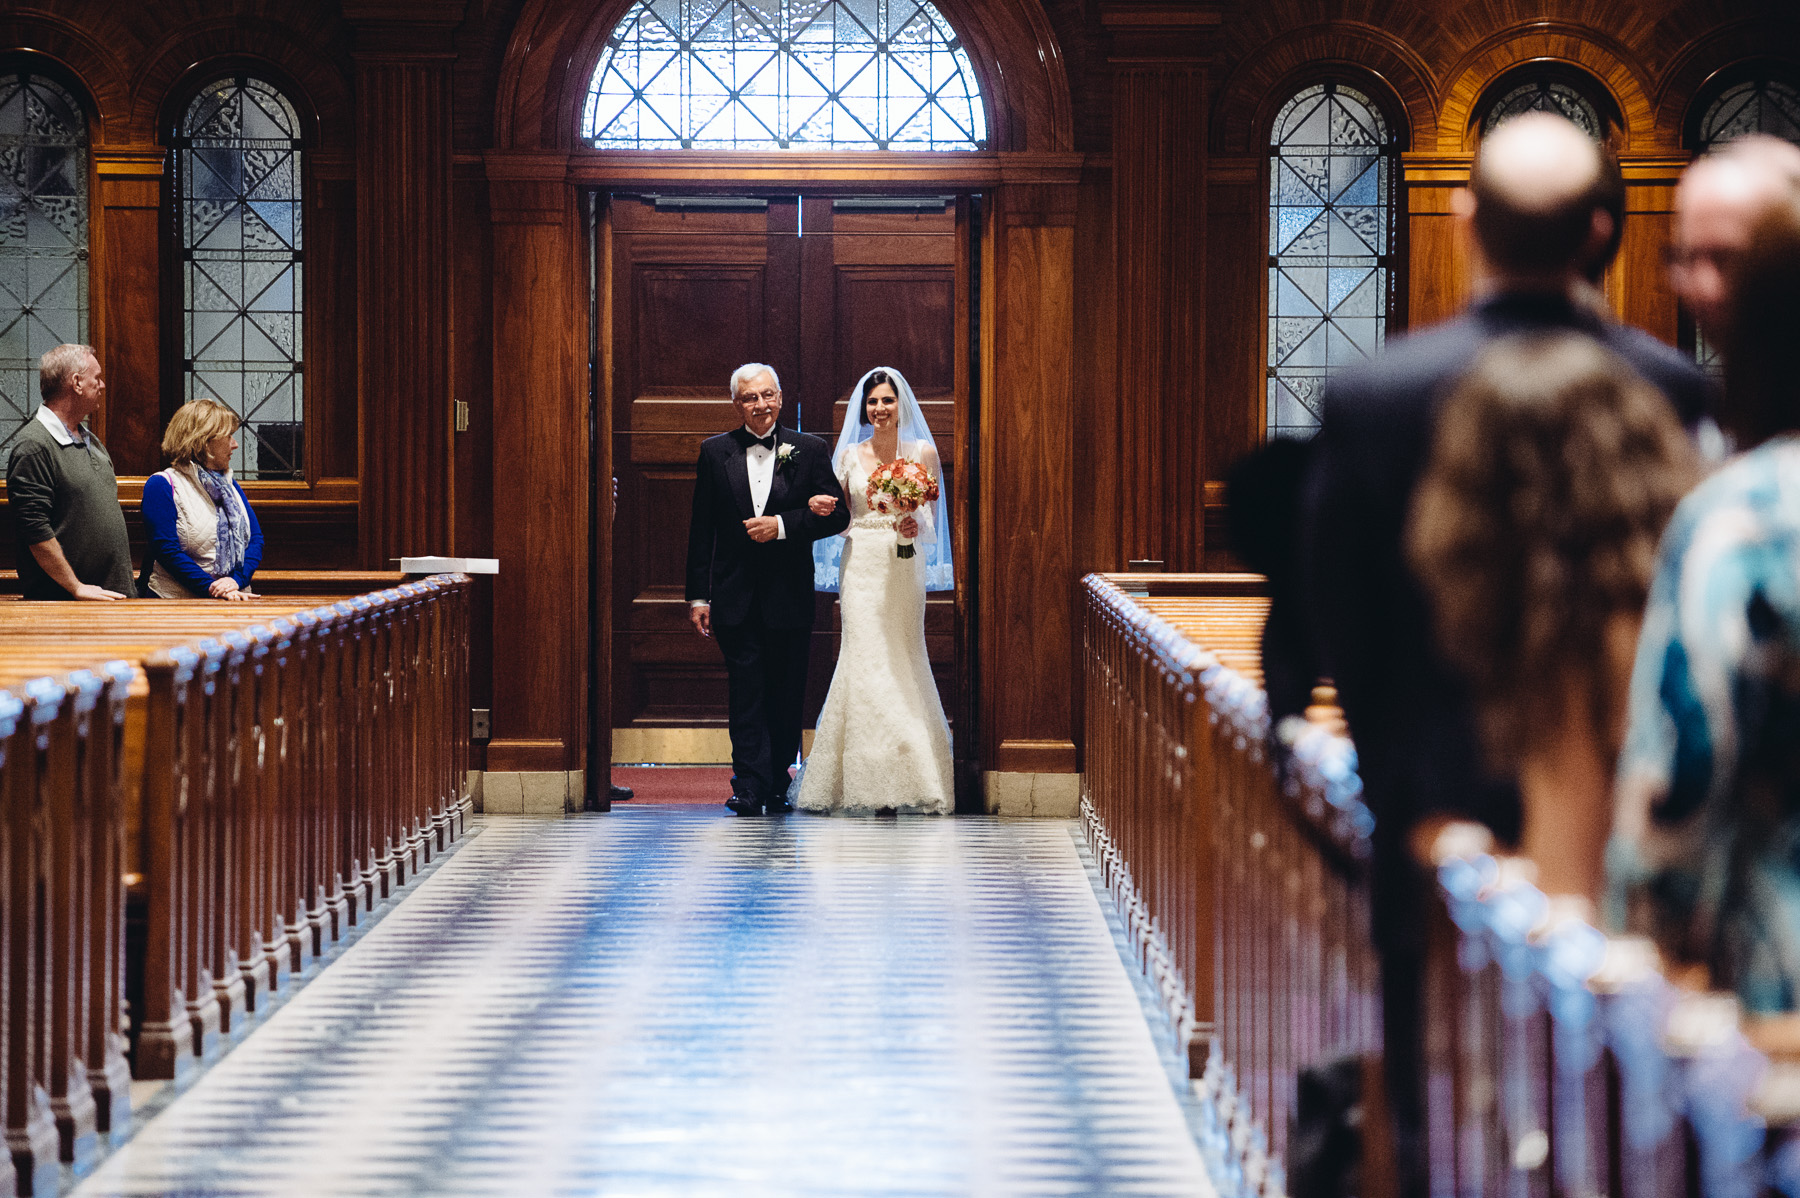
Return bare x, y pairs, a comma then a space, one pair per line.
670, 1001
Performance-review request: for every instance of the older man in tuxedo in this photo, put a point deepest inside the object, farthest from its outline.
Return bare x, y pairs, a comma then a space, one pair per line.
750, 577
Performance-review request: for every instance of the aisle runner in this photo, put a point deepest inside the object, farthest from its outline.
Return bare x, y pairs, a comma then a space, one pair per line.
672, 1001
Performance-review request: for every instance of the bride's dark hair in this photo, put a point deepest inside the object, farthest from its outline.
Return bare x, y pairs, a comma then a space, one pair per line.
875, 379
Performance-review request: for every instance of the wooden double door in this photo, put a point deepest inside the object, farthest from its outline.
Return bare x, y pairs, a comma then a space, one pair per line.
822, 289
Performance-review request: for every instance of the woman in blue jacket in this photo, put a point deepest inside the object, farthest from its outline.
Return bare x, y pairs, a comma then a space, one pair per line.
204, 539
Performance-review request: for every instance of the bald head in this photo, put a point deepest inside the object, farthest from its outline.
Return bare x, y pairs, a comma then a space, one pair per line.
1539, 186
1719, 203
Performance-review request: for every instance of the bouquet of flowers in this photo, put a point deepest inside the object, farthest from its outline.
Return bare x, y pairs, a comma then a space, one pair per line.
900, 488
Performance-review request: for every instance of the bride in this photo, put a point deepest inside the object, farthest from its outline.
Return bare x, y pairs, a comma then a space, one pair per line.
882, 742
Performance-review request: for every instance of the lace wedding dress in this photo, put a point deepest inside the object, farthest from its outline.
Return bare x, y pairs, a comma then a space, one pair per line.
882, 740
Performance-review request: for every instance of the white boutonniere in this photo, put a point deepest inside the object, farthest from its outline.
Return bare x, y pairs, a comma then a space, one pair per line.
784, 454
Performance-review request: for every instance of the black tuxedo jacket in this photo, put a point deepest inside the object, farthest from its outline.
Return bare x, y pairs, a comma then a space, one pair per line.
1409, 711
738, 576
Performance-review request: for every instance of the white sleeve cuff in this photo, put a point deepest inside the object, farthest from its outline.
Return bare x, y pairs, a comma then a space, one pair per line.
780, 529
693, 603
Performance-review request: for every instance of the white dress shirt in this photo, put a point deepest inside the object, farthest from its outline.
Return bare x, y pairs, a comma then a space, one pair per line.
759, 464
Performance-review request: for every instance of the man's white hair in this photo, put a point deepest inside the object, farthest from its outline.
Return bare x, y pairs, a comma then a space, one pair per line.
60, 365
750, 370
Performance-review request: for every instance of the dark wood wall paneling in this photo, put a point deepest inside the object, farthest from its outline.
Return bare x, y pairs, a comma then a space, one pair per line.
1160, 200
403, 160
1123, 271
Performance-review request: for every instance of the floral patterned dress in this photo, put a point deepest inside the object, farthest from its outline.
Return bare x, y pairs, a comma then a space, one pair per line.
1706, 845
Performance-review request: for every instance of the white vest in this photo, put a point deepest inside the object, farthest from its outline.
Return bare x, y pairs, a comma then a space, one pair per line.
197, 527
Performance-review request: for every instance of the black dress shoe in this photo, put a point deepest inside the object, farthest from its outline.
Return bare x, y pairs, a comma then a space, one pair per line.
619, 794
777, 807
744, 805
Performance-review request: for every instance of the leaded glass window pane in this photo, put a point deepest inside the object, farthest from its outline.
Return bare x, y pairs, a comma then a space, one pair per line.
1759, 106
43, 236
1547, 95
1331, 179
781, 74
239, 223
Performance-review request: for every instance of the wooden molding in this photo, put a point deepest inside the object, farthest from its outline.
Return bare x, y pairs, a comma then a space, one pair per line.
531, 166
526, 754
326, 491
1589, 49
1366, 55
130, 162
1158, 16
1035, 757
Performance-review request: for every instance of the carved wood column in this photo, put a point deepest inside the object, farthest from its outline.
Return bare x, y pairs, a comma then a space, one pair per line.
1028, 454
403, 150
540, 450
1159, 205
126, 300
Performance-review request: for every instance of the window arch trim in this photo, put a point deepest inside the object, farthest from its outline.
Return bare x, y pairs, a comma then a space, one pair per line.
1582, 81
1751, 70
1372, 84
202, 75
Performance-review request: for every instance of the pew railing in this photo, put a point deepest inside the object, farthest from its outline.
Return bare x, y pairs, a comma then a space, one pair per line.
248, 796
1561, 1060
1243, 888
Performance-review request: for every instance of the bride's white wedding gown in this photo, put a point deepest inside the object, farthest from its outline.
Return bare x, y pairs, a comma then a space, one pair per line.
882, 740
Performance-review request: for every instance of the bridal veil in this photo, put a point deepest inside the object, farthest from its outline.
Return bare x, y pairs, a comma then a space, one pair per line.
934, 547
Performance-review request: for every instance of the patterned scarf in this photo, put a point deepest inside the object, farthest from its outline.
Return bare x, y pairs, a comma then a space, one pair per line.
234, 522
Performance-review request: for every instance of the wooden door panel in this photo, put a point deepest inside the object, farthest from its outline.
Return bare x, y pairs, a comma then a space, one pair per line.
691, 304
696, 322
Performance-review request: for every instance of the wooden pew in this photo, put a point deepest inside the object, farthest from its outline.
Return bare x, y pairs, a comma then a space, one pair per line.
1245, 892
1563, 1061
257, 777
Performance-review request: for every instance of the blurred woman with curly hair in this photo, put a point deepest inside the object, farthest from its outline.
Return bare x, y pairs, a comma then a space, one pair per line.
1534, 533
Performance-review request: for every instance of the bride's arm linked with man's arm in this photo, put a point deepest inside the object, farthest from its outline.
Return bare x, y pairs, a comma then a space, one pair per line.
808, 522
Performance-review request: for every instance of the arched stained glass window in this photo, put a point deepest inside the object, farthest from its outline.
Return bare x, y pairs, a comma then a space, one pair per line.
43, 236
781, 74
238, 220
1756, 106
1547, 95
1331, 191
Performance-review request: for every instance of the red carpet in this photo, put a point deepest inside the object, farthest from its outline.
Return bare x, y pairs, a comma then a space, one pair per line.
675, 783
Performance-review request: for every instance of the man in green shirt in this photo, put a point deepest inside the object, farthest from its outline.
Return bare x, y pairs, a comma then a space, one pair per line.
63, 492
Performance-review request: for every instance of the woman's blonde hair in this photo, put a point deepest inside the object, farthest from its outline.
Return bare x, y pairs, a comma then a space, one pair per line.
1535, 525
195, 423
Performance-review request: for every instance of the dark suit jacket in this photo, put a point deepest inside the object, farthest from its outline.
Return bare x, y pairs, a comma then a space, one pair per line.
739, 577
1409, 713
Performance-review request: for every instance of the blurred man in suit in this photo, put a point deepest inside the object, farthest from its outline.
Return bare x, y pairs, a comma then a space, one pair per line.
1538, 211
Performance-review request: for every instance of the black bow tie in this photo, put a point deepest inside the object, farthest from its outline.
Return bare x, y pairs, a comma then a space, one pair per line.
767, 442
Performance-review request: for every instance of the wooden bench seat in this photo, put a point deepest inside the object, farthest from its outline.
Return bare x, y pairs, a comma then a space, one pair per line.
199, 797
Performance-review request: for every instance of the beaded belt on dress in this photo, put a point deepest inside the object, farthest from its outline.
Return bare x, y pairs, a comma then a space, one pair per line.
872, 520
